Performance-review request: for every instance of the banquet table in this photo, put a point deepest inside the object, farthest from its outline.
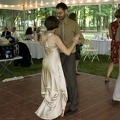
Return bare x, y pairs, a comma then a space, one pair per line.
103, 46
36, 49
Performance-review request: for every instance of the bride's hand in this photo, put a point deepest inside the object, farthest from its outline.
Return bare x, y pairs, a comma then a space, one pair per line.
76, 39
77, 36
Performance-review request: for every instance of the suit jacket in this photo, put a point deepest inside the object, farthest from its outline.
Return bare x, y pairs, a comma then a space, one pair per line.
7, 34
25, 53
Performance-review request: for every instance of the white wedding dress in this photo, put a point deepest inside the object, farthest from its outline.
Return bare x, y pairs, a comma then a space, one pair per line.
53, 85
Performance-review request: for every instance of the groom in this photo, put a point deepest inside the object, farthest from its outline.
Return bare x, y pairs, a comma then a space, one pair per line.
70, 29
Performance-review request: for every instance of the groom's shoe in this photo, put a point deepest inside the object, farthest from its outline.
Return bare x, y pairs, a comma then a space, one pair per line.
69, 112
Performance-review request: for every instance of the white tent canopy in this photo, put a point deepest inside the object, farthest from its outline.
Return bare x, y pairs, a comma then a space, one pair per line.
32, 4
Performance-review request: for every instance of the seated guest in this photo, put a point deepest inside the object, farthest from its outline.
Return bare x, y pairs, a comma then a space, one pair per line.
6, 33
15, 34
38, 32
29, 34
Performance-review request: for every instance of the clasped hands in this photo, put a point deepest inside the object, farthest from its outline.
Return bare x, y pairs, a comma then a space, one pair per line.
76, 39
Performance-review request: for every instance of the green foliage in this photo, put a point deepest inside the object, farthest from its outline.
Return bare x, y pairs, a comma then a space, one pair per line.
22, 35
100, 14
98, 67
89, 16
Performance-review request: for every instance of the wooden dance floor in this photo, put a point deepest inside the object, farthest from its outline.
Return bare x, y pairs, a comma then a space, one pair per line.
20, 99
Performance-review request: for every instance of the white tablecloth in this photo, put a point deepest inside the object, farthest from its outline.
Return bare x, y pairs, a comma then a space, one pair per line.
36, 49
103, 46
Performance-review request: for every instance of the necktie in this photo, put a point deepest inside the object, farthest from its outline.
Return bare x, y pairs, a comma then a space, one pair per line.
118, 34
62, 30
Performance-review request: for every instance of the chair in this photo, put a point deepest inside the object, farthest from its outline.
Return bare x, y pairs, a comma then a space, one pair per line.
89, 51
25, 53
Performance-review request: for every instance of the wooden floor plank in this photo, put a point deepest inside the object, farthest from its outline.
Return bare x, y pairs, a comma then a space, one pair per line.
20, 99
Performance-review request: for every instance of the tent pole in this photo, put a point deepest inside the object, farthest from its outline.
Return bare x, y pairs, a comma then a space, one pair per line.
24, 17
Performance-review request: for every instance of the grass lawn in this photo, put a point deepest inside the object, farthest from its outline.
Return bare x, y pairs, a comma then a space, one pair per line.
23, 71
96, 68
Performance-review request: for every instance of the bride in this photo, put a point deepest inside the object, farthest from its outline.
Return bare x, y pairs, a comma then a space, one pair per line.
53, 84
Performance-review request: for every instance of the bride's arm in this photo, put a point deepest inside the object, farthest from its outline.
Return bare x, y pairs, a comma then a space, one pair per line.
63, 48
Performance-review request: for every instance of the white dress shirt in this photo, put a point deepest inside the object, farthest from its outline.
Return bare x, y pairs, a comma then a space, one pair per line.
16, 36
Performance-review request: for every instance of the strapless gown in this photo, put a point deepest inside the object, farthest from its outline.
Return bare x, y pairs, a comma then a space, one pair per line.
53, 86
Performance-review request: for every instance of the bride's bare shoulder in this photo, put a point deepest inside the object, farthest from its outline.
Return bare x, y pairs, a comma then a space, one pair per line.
55, 36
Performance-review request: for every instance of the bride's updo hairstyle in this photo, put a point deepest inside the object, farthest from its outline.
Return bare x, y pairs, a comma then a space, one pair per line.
51, 23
